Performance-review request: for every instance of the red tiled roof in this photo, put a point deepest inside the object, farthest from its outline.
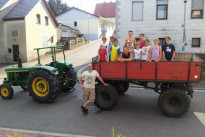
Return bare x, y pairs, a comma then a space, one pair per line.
106, 10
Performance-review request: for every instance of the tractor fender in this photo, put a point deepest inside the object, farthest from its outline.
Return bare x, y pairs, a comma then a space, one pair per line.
49, 69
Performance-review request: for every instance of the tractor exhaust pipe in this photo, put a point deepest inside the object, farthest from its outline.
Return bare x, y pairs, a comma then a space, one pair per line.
19, 62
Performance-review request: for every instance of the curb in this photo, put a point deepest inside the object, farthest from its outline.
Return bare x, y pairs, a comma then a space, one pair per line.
38, 133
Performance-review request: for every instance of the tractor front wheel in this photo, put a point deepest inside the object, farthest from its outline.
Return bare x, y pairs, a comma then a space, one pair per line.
43, 86
6, 91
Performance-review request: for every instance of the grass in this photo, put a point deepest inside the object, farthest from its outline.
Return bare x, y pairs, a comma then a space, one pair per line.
203, 74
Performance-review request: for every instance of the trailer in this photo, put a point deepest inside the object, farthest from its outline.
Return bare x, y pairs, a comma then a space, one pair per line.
172, 81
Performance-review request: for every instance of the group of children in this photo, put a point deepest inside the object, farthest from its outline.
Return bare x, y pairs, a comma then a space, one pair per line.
136, 51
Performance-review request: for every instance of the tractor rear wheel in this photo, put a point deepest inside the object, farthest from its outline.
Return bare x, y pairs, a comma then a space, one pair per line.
106, 97
25, 88
70, 76
43, 86
6, 91
174, 102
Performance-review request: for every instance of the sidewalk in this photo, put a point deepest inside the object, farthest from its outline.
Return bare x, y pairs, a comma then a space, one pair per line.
7, 132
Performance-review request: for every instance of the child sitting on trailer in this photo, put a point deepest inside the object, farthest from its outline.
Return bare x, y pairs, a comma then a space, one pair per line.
145, 51
102, 53
126, 55
155, 52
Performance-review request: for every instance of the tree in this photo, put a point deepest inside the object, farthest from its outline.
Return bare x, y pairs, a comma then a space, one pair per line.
57, 6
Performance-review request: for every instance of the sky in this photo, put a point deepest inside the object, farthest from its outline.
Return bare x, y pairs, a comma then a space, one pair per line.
87, 5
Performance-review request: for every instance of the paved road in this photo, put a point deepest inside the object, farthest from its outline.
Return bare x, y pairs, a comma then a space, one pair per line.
137, 115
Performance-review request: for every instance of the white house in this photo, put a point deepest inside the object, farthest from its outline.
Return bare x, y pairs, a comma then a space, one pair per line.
25, 25
161, 18
88, 24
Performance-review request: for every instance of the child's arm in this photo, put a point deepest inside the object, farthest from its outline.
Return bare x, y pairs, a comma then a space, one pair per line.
120, 58
174, 53
109, 46
164, 56
130, 59
160, 53
150, 54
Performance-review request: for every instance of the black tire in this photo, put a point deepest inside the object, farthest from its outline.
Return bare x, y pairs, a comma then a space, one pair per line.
25, 88
52, 83
106, 97
174, 102
6, 91
71, 74
122, 87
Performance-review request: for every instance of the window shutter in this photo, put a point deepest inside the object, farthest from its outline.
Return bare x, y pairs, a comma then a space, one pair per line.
197, 4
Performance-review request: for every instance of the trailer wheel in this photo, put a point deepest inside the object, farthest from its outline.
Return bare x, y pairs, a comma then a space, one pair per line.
69, 84
43, 86
106, 97
25, 88
122, 87
6, 91
174, 102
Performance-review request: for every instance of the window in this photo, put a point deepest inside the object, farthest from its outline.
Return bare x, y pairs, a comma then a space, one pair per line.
75, 23
161, 12
137, 11
162, 41
162, 9
38, 19
197, 9
46, 21
14, 33
196, 42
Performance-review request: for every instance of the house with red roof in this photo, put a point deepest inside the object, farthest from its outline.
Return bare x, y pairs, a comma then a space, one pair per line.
106, 10
25, 25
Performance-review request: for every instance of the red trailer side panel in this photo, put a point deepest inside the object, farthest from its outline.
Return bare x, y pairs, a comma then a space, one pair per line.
141, 70
115, 70
173, 71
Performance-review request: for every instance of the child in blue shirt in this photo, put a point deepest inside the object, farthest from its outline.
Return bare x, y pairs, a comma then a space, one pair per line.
168, 50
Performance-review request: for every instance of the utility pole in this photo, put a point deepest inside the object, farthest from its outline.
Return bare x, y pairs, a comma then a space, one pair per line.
88, 28
184, 31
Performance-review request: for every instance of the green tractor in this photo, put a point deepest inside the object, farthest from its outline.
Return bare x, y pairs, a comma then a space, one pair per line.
44, 82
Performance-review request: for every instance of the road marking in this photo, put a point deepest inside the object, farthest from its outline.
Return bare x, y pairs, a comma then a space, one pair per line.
200, 116
42, 133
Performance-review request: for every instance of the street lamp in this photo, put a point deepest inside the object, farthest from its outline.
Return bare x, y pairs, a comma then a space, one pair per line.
184, 33
88, 28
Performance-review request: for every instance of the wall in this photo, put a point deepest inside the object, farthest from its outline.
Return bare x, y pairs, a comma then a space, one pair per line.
38, 35
160, 28
5, 9
10, 41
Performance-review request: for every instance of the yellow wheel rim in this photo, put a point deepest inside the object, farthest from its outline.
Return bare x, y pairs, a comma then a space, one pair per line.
4, 92
40, 87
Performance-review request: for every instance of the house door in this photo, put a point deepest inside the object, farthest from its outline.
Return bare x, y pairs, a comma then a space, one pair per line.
15, 52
